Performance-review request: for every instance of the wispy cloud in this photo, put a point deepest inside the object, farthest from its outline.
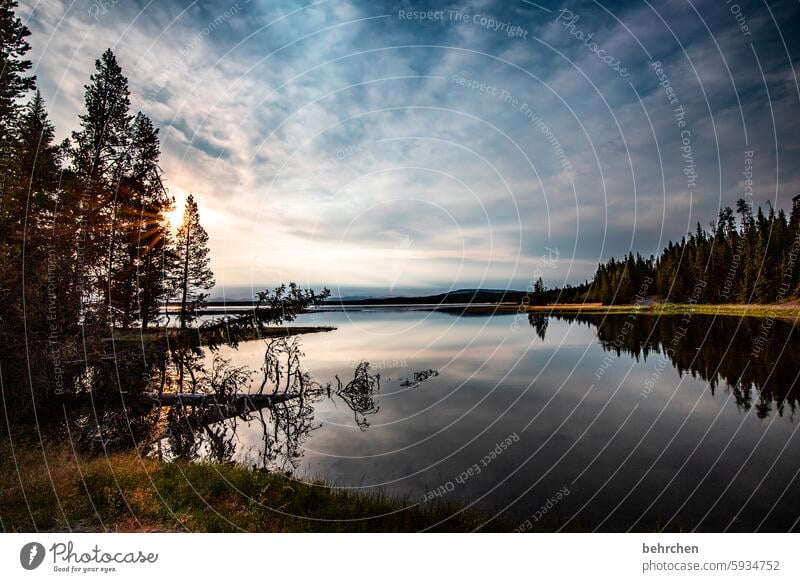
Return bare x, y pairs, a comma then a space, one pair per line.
321, 137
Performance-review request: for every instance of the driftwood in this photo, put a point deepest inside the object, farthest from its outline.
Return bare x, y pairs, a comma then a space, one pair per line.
254, 401
209, 408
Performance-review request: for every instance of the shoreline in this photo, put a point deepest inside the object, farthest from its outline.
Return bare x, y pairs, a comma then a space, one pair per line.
784, 312
157, 333
130, 492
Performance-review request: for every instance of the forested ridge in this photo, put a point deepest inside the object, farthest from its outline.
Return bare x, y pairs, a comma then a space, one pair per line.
741, 257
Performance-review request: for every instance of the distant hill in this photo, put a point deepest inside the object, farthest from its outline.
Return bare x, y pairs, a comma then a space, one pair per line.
458, 296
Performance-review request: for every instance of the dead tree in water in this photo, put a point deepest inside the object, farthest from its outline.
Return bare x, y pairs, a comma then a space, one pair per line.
359, 393
282, 368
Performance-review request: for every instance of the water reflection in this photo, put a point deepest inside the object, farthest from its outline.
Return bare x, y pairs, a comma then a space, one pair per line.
190, 403
538, 322
755, 358
358, 394
681, 422
278, 401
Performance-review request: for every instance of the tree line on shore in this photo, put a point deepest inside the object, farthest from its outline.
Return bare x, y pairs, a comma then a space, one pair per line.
752, 260
84, 234
86, 247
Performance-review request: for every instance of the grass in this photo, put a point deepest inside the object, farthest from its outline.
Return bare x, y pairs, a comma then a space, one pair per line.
785, 312
124, 492
790, 312
779, 311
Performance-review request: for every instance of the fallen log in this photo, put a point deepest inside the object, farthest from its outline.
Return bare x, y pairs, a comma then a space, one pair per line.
207, 408
254, 401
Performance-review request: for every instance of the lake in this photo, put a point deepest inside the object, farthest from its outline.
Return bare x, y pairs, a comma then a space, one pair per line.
609, 423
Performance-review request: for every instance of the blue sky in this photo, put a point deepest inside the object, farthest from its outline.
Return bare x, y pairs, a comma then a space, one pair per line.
379, 147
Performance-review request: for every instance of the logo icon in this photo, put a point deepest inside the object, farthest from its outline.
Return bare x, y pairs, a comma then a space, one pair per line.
31, 555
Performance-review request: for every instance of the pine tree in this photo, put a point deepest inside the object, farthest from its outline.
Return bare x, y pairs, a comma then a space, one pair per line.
37, 158
33, 171
101, 144
31, 184
194, 276
539, 296
13, 66
141, 234
762, 265
13, 85
154, 249
794, 242
99, 160
749, 262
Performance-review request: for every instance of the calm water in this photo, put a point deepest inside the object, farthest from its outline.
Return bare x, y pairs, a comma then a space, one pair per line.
615, 424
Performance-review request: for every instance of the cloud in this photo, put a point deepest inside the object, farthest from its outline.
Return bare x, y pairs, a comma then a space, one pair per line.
336, 143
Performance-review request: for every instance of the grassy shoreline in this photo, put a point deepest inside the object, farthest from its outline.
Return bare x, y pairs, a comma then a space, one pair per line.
60, 491
789, 312
775, 311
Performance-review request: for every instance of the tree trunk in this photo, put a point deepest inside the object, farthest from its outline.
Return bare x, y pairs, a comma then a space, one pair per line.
185, 281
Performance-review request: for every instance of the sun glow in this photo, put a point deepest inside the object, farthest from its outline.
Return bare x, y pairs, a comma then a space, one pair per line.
175, 216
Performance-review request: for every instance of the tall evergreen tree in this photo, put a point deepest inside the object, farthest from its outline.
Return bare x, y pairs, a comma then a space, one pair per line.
37, 157
194, 274
793, 262
32, 176
14, 82
141, 233
100, 146
539, 294
35, 173
99, 160
155, 252
749, 260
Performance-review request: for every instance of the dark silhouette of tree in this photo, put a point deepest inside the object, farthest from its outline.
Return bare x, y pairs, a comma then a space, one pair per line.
14, 82
718, 350
37, 158
139, 283
87, 247
13, 85
100, 146
194, 276
538, 297
27, 213
99, 159
755, 261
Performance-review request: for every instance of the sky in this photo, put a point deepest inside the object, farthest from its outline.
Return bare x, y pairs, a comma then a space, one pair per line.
397, 148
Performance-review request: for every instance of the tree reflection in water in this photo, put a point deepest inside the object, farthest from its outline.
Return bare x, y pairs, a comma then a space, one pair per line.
209, 404
358, 394
538, 322
756, 358
181, 400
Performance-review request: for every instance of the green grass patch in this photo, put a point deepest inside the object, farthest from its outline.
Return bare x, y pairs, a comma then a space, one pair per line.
776, 311
53, 490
